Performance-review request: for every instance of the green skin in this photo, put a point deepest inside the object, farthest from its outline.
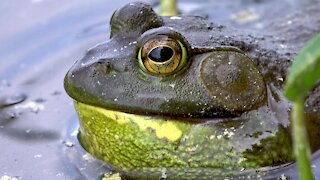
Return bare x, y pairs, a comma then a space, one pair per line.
211, 118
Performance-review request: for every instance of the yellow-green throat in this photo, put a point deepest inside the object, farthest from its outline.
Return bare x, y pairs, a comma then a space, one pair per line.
139, 143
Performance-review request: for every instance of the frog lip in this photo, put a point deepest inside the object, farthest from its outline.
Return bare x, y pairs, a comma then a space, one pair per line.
187, 119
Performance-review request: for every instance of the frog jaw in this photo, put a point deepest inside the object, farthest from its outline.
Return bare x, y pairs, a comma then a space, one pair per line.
136, 143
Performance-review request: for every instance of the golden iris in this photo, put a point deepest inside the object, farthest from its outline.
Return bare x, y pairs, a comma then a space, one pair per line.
162, 55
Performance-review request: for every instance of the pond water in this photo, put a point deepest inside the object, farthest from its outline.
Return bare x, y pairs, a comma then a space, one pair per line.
40, 40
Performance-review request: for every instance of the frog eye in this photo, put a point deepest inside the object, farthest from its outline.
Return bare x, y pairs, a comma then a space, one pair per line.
162, 56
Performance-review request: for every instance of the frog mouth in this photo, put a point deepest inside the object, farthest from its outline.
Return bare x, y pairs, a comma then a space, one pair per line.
140, 145
158, 125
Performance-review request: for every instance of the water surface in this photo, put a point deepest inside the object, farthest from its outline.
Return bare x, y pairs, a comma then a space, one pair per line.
40, 40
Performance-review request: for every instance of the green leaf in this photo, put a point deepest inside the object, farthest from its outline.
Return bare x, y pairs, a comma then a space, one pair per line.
304, 72
300, 140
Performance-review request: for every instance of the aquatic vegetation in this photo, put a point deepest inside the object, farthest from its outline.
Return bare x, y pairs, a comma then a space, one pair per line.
304, 75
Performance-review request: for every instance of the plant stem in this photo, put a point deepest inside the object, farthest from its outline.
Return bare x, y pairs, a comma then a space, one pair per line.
168, 8
300, 140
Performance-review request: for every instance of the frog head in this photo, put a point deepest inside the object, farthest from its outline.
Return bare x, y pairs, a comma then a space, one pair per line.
149, 67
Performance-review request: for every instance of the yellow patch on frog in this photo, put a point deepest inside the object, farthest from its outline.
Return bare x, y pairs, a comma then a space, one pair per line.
164, 129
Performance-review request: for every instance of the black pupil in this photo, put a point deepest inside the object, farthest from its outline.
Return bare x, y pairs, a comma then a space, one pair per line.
161, 54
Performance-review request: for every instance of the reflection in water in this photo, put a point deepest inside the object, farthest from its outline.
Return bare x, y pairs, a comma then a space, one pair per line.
11, 113
11, 99
29, 136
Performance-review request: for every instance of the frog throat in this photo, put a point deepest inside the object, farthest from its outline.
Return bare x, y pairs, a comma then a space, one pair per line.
127, 142
158, 125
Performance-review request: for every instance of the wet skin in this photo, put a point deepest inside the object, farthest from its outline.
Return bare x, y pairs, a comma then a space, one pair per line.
185, 97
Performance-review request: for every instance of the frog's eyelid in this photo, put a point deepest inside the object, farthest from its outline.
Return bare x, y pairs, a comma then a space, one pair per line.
200, 50
163, 31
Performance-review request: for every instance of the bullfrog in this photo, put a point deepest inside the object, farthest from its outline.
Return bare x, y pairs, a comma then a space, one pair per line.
182, 98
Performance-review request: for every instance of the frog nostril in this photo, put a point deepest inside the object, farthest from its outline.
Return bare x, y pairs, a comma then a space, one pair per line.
103, 67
